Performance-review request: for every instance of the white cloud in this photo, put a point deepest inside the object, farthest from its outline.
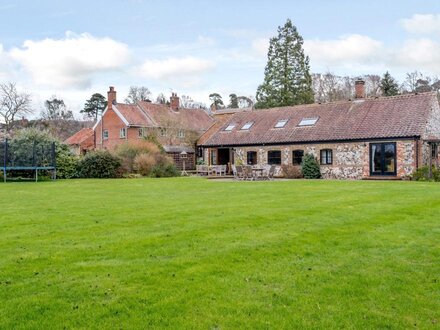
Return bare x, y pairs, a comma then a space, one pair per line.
422, 23
72, 61
176, 67
420, 54
353, 48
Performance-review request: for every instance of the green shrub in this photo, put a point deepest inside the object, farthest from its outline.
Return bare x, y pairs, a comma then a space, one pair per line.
99, 164
164, 171
67, 163
310, 167
422, 174
292, 172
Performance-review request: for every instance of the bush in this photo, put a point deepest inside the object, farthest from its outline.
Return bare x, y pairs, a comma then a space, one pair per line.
144, 163
292, 172
99, 164
164, 171
127, 152
67, 163
422, 174
310, 167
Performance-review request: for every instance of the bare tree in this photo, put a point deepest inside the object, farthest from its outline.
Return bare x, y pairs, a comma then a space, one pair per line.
13, 104
245, 101
137, 93
410, 83
372, 85
56, 110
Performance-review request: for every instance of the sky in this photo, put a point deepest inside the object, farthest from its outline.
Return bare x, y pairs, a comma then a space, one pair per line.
73, 49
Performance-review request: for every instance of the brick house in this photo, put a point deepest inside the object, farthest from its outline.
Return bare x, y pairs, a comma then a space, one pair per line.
82, 141
177, 129
385, 137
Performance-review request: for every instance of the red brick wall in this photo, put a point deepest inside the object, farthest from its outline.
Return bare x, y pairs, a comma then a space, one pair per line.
113, 124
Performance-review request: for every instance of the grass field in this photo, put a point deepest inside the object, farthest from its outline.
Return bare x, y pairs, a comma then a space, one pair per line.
188, 253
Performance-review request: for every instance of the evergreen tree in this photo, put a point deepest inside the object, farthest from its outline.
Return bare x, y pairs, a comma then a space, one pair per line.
287, 78
389, 85
216, 100
310, 167
94, 106
233, 101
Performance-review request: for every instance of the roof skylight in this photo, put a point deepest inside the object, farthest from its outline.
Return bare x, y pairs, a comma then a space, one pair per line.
247, 125
308, 121
230, 127
281, 123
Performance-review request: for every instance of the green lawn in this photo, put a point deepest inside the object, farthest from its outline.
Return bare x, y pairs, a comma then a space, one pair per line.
188, 253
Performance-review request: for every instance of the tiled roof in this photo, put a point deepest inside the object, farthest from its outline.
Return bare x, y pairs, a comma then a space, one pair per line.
133, 114
384, 117
80, 136
192, 119
146, 114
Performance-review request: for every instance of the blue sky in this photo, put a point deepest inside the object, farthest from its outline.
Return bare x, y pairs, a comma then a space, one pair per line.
75, 48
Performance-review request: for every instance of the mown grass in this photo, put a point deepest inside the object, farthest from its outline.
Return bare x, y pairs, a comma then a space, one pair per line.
189, 253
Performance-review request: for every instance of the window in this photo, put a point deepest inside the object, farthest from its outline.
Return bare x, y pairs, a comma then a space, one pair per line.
247, 125
122, 133
281, 123
163, 131
181, 133
383, 159
230, 127
274, 157
141, 133
326, 156
308, 121
251, 157
105, 134
297, 157
213, 156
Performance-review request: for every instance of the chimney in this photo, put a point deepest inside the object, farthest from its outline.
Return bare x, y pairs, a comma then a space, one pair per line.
174, 102
359, 88
111, 97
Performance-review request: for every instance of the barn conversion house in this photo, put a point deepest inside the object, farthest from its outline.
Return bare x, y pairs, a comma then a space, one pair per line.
384, 137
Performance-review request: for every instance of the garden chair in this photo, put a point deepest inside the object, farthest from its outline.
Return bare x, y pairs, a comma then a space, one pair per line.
271, 172
240, 174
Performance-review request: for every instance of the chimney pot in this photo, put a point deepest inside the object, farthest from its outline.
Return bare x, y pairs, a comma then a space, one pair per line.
359, 87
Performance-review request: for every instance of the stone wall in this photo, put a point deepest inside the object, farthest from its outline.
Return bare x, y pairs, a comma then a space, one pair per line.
351, 160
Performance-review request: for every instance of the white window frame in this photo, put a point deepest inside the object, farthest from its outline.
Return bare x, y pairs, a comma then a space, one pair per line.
308, 121
163, 131
141, 133
247, 126
123, 133
105, 134
281, 123
181, 133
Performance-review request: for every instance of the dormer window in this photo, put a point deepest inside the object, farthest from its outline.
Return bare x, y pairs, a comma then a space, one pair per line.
281, 123
308, 121
247, 126
230, 127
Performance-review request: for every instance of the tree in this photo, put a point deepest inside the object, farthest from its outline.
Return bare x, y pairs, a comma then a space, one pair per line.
138, 93
245, 102
233, 101
161, 99
56, 110
389, 85
13, 104
94, 106
216, 100
310, 167
287, 79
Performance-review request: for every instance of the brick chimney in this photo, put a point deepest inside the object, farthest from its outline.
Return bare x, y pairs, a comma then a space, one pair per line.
359, 88
111, 97
174, 102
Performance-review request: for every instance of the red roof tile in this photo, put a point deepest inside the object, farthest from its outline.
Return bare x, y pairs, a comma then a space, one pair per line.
80, 136
398, 116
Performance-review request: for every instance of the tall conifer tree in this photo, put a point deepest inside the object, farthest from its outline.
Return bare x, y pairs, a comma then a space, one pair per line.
389, 85
287, 79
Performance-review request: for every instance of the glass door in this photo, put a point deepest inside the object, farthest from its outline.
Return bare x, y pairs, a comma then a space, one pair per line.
383, 158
